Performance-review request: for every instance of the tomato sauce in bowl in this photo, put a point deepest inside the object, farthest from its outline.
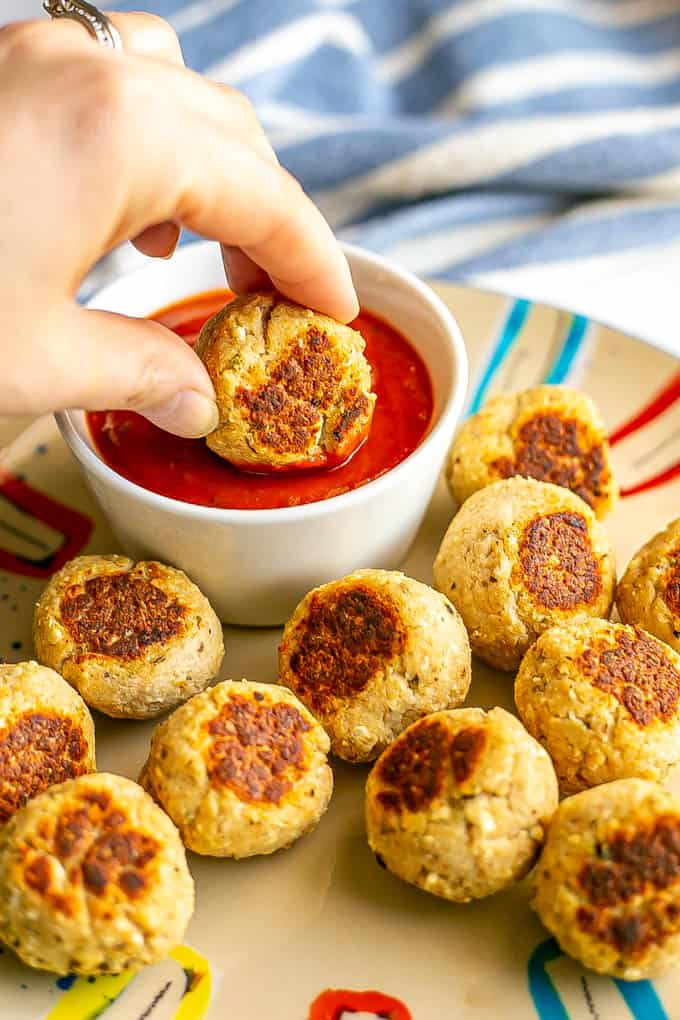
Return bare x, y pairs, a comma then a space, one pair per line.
186, 470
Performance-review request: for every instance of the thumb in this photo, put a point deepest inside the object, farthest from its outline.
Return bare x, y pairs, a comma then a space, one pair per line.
117, 362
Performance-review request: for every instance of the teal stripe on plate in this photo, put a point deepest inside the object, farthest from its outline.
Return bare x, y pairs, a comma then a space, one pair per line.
570, 348
642, 1000
640, 997
508, 335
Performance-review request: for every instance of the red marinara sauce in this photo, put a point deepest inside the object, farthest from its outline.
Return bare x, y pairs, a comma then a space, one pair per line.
333, 1004
185, 469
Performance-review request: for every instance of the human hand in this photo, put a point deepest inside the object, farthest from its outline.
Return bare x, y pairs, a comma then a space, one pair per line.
98, 147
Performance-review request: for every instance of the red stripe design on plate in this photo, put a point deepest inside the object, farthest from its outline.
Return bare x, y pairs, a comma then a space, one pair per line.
332, 1003
74, 526
664, 399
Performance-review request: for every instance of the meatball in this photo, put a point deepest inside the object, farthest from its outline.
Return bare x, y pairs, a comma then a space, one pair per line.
649, 592
459, 803
93, 879
604, 701
607, 884
550, 433
46, 734
371, 653
241, 769
134, 639
293, 387
519, 557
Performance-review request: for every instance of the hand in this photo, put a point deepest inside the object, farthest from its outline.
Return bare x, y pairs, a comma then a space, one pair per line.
98, 147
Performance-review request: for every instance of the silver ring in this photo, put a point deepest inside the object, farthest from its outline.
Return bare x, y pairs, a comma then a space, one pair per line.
90, 17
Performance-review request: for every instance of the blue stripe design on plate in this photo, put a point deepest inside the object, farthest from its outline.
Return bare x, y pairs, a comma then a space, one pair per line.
639, 996
509, 334
543, 992
641, 999
570, 348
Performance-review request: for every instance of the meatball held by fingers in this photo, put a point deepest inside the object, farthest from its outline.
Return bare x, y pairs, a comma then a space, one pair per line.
293, 387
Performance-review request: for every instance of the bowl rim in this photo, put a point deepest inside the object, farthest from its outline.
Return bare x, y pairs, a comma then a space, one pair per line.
451, 409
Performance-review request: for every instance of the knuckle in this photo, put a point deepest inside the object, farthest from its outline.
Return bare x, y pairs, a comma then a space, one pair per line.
158, 24
22, 40
102, 101
107, 88
162, 30
99, 116
291, 186
241, 102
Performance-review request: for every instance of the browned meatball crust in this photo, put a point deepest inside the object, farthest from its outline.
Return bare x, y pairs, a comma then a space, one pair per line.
293, 387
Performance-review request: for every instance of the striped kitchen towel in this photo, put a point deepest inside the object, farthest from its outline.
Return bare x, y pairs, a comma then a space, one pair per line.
466, 138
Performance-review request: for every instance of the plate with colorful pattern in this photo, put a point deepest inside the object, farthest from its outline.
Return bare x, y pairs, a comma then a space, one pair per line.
320, 932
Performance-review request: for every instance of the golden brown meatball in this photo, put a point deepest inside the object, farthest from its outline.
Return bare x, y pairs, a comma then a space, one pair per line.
459, 803
604, 701
293, 387
93, 879
607, 884
371, 653
241, 769
46, 734
134, 639
550, 433
649, 592
519, 557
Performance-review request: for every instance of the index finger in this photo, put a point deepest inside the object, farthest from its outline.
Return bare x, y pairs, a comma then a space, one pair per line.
223, 188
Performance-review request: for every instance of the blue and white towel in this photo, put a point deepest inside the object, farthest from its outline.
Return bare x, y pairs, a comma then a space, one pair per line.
509, 142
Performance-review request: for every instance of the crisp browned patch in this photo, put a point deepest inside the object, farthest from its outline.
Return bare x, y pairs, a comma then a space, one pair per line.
415, 766
38, 873
558, 450
38, 876
558, 564
287, 413
99, 848
38, 750
120, 615
257, 750
279, 422
636, 671
356, 409
119, 856
348, 636
311, 371
671, 593
633, 887
466, 749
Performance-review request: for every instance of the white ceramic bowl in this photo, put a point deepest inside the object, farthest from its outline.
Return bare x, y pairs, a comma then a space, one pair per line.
255, 565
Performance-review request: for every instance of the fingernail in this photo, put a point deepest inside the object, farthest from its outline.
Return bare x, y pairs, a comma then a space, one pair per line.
189, 414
